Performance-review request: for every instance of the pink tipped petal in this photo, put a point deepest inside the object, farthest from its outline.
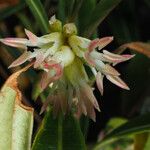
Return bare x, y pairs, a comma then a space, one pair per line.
99, 82
100, 43
39, 59
23, 58
93, 45
89, 59
59, 71
15, 42
115, 58
117, 81
32, 37
90, 110
49, 77
105, 68
125, 58
45, 80
87, 91
110, 70
104, 41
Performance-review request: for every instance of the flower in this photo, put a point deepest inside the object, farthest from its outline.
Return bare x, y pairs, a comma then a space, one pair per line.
63, 55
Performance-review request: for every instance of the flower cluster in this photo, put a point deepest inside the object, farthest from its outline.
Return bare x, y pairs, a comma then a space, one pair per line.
63, 56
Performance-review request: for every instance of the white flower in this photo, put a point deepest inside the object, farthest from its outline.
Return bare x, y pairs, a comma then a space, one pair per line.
63, 56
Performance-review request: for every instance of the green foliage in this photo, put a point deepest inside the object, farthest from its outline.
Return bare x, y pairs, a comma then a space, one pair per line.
38, 11
16, 120
62, 133
99, 13
65, 132
137, 125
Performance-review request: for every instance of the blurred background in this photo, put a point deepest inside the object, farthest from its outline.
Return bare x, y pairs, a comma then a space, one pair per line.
128, 22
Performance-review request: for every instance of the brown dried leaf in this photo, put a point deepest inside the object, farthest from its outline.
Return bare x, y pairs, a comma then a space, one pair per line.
12, 82
140, 47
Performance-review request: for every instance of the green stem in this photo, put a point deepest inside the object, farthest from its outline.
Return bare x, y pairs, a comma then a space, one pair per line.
60, 130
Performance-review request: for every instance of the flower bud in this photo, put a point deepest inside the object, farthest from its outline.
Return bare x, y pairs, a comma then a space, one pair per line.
69, 29
55, 25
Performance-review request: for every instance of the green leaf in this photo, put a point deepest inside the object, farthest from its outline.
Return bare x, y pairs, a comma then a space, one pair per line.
115, 122
37, 10
6, 12
68, 10
85, 13
16, 120
140, 141
84, 124
75, 10
27, 23
62, 133
61, 10
100, 12
147, 146
137, 125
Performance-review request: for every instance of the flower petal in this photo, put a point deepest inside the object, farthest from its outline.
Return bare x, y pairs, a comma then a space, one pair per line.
90, 110
32, 37
23, 58
87, 91
115, 58
100, 43
99, 82
105, 68
55, 72
39, 59
89, 59
46, 79
15, 42
118, 81
110, 70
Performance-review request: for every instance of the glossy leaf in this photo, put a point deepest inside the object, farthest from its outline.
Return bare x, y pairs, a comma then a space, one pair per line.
137, 125
16, 119
100, 12
38, 11
62, 133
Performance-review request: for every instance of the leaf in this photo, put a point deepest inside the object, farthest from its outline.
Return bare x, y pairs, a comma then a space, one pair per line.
26, 21
37, 10
115, 122
85, 14
61, 10
16, 119
139, 47
140, 141
68, 10
62, 133
147, 145
84, 124
75, 10
100, 12
137, 125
